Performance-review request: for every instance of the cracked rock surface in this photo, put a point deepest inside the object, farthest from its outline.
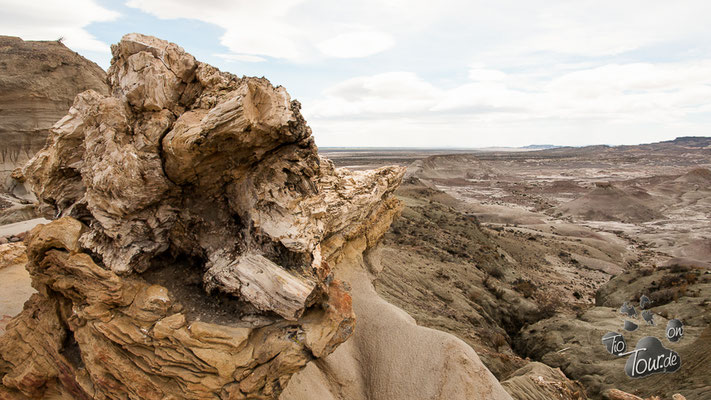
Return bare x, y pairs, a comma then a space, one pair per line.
195, 231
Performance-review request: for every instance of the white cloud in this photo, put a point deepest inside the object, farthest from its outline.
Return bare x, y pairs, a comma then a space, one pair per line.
612, 103
297, 30
240, 57
356, 44
479, 73
387, 93
50, 20
461, 70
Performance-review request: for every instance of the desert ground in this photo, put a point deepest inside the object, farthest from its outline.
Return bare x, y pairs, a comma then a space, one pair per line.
530, 254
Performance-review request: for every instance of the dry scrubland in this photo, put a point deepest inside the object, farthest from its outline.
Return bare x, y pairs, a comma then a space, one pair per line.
530, 254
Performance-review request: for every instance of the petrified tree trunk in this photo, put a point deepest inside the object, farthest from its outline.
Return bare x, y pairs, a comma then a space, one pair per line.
264, 284
196, 229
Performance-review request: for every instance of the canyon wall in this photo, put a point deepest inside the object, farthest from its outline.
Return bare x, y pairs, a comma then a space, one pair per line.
38, 83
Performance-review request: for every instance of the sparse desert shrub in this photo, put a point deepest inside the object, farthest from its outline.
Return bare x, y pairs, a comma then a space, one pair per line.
497, 340
672, 287
579, 311
494, 270
442, 275
691, 277
676, 268
525, 287
460, 285
664, 296
683, 279
548, 304
473, 320
492, 288
473, 295
646, 272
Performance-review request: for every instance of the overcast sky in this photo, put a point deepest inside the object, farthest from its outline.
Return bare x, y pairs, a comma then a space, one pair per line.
423, 73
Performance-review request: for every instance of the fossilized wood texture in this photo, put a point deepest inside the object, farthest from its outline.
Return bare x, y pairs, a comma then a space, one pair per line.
185, 172
90, 333
264, 284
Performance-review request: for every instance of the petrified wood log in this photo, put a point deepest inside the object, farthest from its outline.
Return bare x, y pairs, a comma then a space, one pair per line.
195, 231
263, 283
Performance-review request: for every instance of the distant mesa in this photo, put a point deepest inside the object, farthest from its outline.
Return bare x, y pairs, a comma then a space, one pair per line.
454, 169
541, 146
567, 186
606, 202
690, 141
700, 176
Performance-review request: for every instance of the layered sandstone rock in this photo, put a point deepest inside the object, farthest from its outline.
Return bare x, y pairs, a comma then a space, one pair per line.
196, 227
38, 82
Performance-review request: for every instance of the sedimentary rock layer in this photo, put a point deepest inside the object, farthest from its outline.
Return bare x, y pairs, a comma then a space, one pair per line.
38, 82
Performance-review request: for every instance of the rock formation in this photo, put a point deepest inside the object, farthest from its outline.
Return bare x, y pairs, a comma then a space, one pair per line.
38, 82
537, 381
194, 235
390, 357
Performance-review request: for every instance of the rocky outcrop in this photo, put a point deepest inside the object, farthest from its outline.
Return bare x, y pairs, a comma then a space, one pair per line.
38, 82
537, 381
389, 356
195, 235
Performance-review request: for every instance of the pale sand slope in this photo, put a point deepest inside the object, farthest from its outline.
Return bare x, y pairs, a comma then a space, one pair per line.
15, 286
22, 226
389, 357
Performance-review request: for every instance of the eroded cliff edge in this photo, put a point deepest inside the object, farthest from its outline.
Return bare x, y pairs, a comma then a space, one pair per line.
195, 225
199, 249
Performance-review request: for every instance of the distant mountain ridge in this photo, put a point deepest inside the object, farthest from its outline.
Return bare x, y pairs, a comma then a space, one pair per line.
540, 146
